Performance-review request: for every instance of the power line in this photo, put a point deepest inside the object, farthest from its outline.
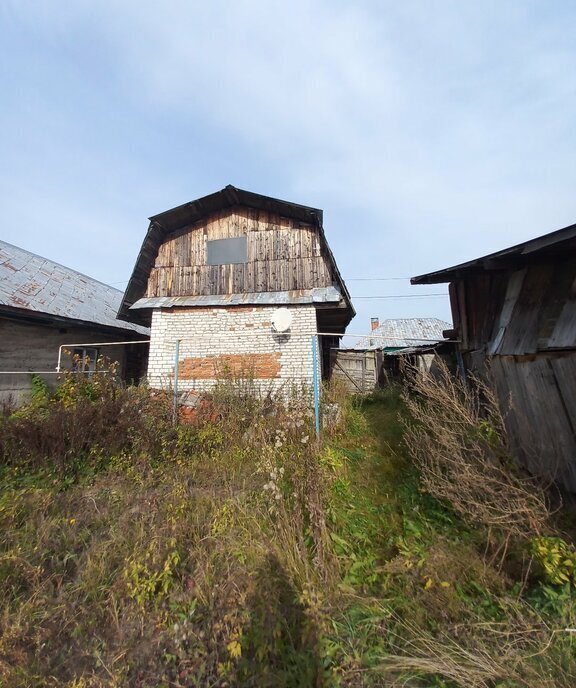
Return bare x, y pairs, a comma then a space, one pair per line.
401, 296
346, 279
374, 279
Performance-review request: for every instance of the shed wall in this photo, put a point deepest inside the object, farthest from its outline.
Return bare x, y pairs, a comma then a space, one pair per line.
538, 398
521, 325
34, 347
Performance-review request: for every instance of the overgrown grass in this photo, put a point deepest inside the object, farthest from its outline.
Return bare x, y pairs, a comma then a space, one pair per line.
243, 553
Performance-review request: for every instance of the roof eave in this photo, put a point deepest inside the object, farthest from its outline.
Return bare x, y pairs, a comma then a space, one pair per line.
509, 258
24, 314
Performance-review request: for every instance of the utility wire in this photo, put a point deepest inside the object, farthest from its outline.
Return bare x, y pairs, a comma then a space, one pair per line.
346, 279
374, 279
401, 296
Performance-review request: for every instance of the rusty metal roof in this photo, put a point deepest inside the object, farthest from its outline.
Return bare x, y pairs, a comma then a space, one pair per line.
404, 332
30, 283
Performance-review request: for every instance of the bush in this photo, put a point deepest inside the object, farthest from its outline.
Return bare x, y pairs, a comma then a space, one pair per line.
87, 417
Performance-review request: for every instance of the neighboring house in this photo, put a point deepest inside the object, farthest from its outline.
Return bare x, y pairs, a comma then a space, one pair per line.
44, 305
514, 313
378, 356
242, 282
402, 333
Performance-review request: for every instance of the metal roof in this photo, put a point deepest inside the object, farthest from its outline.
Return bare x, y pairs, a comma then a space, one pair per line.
265, 298
404, 332
162, 224
229, 197
554, 243
30, 283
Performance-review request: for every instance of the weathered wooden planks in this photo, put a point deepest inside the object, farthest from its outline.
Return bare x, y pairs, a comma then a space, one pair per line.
283, 255
357, 369
538, 399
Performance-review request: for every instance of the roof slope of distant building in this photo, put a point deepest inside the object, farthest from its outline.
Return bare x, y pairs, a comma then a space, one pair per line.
404, 332
30, 283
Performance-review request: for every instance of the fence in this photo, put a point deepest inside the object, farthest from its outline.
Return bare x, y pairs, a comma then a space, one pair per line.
191, 364
185, 364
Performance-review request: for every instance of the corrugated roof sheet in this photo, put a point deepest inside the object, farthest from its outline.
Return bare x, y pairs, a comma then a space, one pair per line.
404, 332
269, 298
30, 282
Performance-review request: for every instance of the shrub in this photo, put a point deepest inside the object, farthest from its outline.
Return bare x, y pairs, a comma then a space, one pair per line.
555, 558
86, 417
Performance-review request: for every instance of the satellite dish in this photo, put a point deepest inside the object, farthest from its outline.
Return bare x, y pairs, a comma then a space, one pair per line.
281, 320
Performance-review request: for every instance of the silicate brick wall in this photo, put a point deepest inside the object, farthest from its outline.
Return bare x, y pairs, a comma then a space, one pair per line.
238, 340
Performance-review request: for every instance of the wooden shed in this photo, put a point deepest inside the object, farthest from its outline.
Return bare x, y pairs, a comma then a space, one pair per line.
391, 345
212, 276
514, 315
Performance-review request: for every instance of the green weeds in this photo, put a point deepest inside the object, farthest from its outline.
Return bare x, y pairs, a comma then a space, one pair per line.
239, 552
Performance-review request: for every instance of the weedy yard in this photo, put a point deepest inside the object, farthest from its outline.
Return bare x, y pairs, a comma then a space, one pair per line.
401, 550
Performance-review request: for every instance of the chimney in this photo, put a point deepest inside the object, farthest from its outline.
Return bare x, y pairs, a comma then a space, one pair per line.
375, 323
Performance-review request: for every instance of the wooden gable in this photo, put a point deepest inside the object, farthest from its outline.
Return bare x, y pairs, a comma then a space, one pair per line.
283, 254
280, 250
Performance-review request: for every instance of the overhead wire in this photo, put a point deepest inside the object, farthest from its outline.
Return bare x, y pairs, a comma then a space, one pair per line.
402, 296
372, 279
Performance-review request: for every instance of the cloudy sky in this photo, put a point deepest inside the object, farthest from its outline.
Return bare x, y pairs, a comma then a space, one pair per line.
429, 131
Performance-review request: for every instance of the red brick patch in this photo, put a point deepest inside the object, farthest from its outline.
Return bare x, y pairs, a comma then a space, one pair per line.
259, 366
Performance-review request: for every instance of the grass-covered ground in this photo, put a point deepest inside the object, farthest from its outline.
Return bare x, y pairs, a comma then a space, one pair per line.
242, 553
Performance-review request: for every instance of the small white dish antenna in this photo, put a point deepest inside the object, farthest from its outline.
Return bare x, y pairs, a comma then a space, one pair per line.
281, 320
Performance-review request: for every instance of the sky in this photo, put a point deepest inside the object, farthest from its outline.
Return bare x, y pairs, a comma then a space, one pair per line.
429, 132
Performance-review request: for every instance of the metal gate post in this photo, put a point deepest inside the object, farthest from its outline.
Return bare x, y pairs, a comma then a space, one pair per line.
175, 398
316, 384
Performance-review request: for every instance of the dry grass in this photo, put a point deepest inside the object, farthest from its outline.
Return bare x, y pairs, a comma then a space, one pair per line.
185, 556
516, 653
457, 438
243, 552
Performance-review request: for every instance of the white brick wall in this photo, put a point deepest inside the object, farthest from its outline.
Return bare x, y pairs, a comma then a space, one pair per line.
213, 331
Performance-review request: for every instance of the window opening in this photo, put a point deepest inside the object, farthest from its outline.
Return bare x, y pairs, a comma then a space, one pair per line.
226, 251
85, 359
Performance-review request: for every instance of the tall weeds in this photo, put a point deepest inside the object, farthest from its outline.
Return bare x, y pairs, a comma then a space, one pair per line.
457, 437
93, 417
240, 551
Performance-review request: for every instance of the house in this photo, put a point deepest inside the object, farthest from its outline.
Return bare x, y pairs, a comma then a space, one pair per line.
43, 306
403, 333
514, 315
237, 283
378, 356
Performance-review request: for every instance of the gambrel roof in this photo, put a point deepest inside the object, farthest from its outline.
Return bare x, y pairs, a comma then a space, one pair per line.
162, 224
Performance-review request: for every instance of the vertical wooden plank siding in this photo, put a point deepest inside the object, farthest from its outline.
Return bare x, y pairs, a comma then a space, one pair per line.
537, 421
282, 255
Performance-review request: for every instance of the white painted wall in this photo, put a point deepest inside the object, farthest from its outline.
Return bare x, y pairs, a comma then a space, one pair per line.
218, 331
